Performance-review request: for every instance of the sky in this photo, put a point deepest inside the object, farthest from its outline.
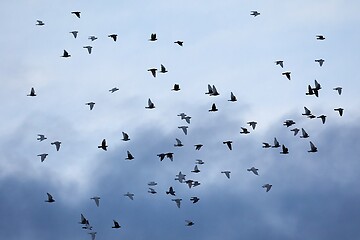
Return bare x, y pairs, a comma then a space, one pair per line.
313, 195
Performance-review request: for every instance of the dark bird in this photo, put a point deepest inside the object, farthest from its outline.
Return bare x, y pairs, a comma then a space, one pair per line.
179, 42
312, 91
252, 124
228, 143
90, 104
150, 104
170, 155
307, 112
125, 136
323, 118
254, 170
42, 156
244, 130
83, 220
113, 36
171, 191
153, 71
287, 74
317, 85
161, 156
40, 23
199, 161
320, 37
74, 33
97, 200
340, 110
76, 13
194, 199
295, 130
163, 69
88, 48
178, 143
153, 37
41, 137
129, 156
285, 150
227, 173
267, 186
196, 169
177, 201
276, 143
32, 92
338, 89
50, 198
114, 89
116, 224
312, 147
288, 123
189, 223
103, 145
232, 97
320, 61
280, 62
176, 87
254, 13
304, 134
92, 38
213, 108
57, 145
198, 146
266, 145
66, 54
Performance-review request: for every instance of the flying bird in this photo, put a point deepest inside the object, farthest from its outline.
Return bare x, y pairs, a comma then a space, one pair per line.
338, 89
267, 186
228, 143
266, 145
307, 112
313, 148
295, 130
340, 110
171, 191
280, 62
125, 136
198, 146
151, 190
50, 198
276, 143
93, 235
92, 38
177, 201
196, 169
244, 130
163, 69
304, 134
170, 155
287, 74
66, 54
97, 200
180, 43
153, 37
214, 91
161, 156
40, 23
285, 150
88, 48
150, 104
90, 104
178, 143
116, 224
180, 177
32, 92
114, 89
184, 128
103, 145
194, 199
76, 13
57, 145
320, 37
113, 36
312, 91
323, 118
153, 71
176, 87
189, 223
129, 156
199, 161
152, 183
254, 170
288, 123
74, 33
227, 173
252, 124
254, 13
42, 156
320, 61
130, 195
41, 137
232, 97
213, 108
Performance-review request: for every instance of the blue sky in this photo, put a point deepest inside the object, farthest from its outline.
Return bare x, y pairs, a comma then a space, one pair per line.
314, 195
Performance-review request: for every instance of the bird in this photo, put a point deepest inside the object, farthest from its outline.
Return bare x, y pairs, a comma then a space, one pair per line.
184, 128
103, 145
228, 143
213, 108
180, 43
40, 23
338, 89
177, 201
42, 156
194, 199
267, 186
176, 87
304, 133
93, 235
288, 122
178, 143
90, 104
57, 145
285, 150
171, 191
189, 223
307, 112
187, 119
114, 89
125, 136
227, 173
161, 156
92, 38
266, 145
244, 130
116, 224
210, 90
66, 54
287, 74
151, 190
180, 177
232, 97
320, 37
252, 124
41, 137
88, 48
313, 148
323, 118
129, 156
32, 92
276, 143
83, 220
163, 69
254, 13
150, 104
153, 37
195, 183
214, 91
196, 169
77, 13
153, 71
340, 110
170, 155
189, 183
320, 61
198, 146
280, 62
317, 85
113, 36
50, 198
312, 91
96, 199
130, 195
152, 183
199, 161
254, 170
295, 130
74, 33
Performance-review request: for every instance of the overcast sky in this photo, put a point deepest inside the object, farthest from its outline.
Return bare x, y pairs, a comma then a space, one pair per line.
313, 195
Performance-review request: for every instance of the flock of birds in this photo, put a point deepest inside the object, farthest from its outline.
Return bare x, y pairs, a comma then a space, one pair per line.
211, 91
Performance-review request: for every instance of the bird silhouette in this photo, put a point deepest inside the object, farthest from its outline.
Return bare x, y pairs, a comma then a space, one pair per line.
323, 118
213, 108
113, 36
227, 173
163, 69
313, 148
153, 71
254, 170
90, 104
171, 191
152, 191
74, 33
150, 104
180, 43
184, 129
178, 143
320, 37
252, 124
194, 199
196, 169
232, 97
103, 145
177, 201
125, 136
267, 186
129, 156
254, 13
287, 74
88, 48
97, 200
176, 87
92, 38
32, 92
42, 156
114, 89
57, 145
40, 23
280, 62
153, 37
276, 143
304, 134
116, 224
244, 131
77, 13
66, 54
340, 110
41, 137
130, 195
50, 198
320, 61
285, 150
198, 146
228, 143
338, 89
